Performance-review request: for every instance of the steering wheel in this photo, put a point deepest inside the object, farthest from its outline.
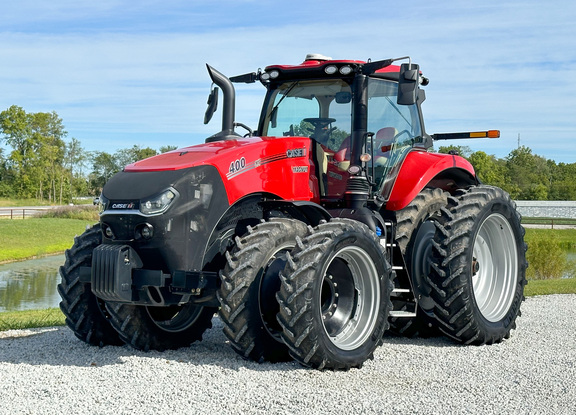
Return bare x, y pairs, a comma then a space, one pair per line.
320, 133
320, 123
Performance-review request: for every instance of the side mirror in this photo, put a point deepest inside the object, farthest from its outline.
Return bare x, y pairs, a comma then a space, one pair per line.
408, 84
212, 105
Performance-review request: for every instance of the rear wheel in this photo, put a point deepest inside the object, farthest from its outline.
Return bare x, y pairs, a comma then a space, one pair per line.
160, 328
249, 284
479, 266
414, 234
85, 313
335, 296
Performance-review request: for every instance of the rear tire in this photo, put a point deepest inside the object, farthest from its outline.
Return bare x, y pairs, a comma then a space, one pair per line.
248, 291
85, 313
160, 328
335, 296
414, 235
479, 266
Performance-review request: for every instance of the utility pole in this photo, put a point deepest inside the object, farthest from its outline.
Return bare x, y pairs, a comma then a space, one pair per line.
518, 140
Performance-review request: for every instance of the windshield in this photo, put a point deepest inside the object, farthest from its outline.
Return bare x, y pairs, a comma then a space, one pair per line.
320, 110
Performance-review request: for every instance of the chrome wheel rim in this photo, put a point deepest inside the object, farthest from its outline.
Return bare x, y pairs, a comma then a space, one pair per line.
494, 267
350, 298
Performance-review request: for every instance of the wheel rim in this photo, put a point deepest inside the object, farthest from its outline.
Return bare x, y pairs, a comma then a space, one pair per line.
174, 318
350, 298
494, 267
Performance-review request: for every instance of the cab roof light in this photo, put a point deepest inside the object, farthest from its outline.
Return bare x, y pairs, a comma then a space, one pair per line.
331, 69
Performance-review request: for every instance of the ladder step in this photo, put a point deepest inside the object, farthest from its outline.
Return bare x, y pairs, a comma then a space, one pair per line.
401, 290
397, 267
402, 314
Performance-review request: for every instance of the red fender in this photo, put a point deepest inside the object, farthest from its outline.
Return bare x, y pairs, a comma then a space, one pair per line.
418, 169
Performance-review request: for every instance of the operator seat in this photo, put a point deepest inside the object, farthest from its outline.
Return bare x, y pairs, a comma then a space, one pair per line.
383, 142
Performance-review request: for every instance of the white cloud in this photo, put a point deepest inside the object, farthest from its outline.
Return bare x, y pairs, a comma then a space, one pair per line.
114, 69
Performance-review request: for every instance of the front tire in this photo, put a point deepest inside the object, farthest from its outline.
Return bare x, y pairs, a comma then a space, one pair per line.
160, 328
249, 284
479, 266
85, 313
335, 296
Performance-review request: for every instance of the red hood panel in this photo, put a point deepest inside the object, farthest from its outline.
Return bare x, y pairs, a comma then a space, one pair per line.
279, 166
191, 156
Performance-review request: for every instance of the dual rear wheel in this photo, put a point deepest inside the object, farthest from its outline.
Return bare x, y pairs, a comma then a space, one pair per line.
320, 296
467, 259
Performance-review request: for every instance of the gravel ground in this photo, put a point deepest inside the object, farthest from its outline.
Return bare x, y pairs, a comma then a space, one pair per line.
49, 371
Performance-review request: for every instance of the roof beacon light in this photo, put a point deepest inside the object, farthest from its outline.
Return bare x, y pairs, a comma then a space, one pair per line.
317, 57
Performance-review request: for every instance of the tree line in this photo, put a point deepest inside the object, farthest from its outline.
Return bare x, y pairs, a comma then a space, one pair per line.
524, 175
41, 163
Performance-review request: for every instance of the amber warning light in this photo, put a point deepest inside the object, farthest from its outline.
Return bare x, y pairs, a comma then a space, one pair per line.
476, 134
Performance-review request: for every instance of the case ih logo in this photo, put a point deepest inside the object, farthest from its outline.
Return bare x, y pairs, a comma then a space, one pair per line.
123, 205
296, 152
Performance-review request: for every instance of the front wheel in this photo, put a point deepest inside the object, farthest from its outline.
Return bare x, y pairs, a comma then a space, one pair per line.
335, 296
479, 266
249, 284
85, 313
160, 328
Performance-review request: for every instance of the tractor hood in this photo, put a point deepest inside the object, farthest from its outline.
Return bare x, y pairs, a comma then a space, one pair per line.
197, 155
245, 166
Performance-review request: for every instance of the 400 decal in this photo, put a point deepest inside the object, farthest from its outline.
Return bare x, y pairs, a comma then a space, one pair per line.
237, 165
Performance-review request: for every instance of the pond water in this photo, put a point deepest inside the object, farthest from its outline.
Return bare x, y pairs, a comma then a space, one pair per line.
30, 284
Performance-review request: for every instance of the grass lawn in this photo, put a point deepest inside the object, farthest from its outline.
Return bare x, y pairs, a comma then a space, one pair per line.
21, 202
22, 239
18, 320
546, 287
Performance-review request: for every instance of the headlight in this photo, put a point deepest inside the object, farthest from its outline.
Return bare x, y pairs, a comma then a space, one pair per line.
157, 204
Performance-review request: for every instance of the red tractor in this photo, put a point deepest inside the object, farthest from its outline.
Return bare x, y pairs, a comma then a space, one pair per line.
311, 236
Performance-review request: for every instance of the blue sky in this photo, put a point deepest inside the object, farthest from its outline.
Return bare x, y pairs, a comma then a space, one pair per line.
121, 73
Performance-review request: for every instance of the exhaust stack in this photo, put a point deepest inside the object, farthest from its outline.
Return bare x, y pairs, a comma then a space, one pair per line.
228, 109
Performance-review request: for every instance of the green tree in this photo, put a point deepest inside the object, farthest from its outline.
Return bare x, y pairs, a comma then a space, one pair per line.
104, 166
529, 172
74, 161
489, 169
16, 132
166, 149
464, 151
130, 155
37, 146
48, 137
563, 181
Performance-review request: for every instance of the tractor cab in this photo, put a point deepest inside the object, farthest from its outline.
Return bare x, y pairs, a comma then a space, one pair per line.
361, 118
